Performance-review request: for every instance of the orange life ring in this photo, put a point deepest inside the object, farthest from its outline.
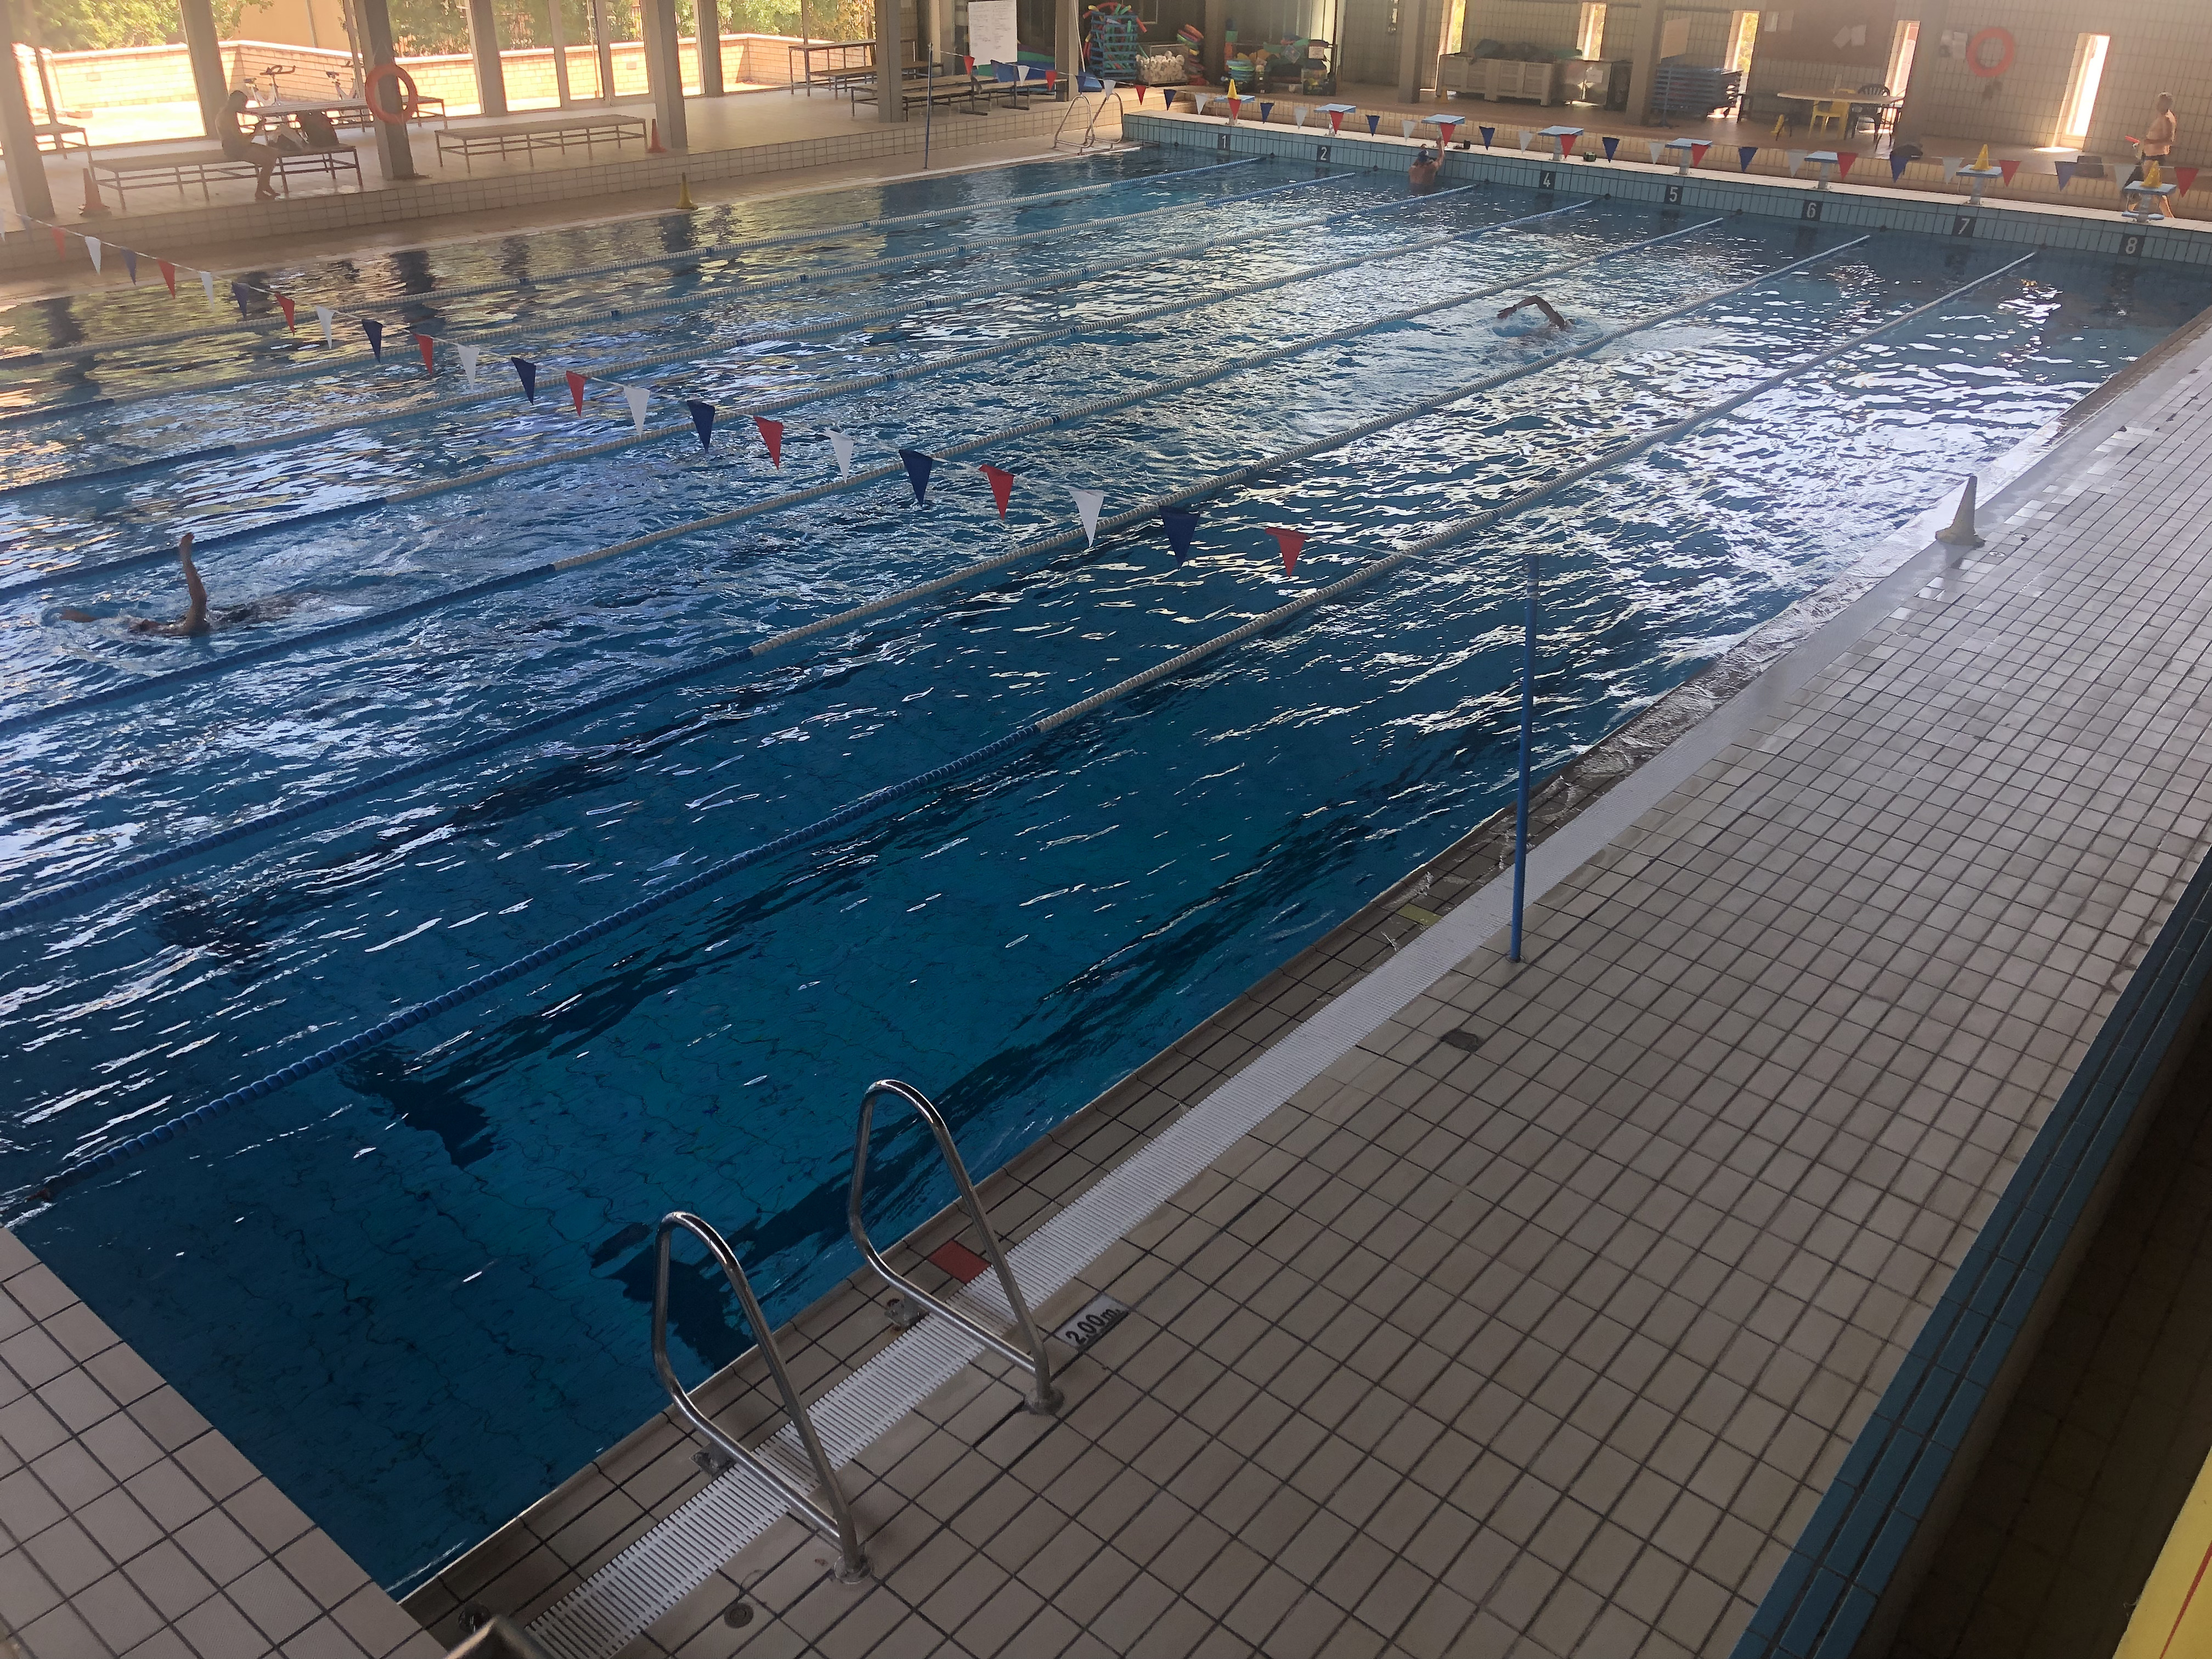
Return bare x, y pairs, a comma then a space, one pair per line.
410, 96
1988, 71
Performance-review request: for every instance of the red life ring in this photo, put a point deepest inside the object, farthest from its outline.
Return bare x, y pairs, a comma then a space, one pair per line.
1989, 72
410, 97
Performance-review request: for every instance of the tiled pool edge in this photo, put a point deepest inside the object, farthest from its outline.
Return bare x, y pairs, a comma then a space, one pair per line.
1841, 206
1845, 1581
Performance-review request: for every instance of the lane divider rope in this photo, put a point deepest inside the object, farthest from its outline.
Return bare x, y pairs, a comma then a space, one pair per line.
567, 944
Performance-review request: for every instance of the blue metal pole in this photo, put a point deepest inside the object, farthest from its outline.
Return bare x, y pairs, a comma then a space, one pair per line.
1527, 724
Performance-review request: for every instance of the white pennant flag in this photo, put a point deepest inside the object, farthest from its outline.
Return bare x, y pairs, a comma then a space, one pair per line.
1202, 99
207, 282
92, 246
323, 315
840, 445
1796, 160
1658, 150
1087, 503
1525, 137
1951, 166
469, 356
1301, 111
634, 396
1409, 126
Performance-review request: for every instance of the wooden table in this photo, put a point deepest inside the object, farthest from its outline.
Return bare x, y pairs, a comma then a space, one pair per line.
844, 61
1857, 101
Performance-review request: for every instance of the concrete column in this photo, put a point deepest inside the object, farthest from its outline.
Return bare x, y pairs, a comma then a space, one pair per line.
1067, 42
1217, 26
394, 159
1419, 33
890, 62
1643, 57
664, 70
484, 51
559, 30
605, 50
203, 48
940, 34
26, 167
1935, 17
710, 48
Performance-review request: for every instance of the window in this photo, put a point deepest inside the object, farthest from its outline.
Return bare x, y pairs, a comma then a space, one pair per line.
1903, 43
1589, 35
1743, 34
2081, 88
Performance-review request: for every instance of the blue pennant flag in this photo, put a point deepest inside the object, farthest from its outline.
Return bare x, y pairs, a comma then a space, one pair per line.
1612, 147
918, 468
375, 330
1373, 122
130, 265
1488, 133
1181, 526
1745, 156
526, 372
1265, 110
237, 295
2066, 171
1898, 163
702, 418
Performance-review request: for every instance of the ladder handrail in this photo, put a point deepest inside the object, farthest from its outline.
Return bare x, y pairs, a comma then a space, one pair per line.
1091, 126
838, 1523
1044, 1398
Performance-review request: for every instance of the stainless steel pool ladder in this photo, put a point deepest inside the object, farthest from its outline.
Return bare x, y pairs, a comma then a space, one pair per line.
1043, 1398
837, 1521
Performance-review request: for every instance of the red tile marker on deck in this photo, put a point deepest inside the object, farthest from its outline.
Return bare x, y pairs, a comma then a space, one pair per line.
957, 1259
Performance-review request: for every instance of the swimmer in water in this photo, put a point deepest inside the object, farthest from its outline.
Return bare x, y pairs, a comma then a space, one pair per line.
1421, 177
198, 619
1542, 305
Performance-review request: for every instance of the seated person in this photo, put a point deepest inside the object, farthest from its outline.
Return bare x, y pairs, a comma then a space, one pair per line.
240, 148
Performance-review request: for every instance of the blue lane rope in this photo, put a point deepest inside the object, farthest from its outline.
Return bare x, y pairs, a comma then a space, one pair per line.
148, 685
47, 580
23, 908
470, 990
851, 276
740, 293
624, 267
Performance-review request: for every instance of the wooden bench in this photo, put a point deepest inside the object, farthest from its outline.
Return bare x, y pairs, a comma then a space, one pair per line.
528, 137
204, 166
916, 90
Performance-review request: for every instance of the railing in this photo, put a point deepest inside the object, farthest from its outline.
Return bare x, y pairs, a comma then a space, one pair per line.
837, 1522
1043, 1398
1098, 103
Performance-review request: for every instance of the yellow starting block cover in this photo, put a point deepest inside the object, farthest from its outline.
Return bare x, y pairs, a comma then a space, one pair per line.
2173, 1619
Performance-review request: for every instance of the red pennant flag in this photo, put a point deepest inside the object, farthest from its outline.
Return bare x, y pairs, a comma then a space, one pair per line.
1002, 487
2008, 168
1051, 80
576, 390
1698, 153
1844, 160
168, 275
2182, 179
1336, 121
284, 304
771, 434
61, 240
1291, 541
426, 345
1236, 106
1141, 90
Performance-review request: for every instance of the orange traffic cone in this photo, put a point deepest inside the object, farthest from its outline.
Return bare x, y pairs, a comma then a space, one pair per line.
654, 146
94, 208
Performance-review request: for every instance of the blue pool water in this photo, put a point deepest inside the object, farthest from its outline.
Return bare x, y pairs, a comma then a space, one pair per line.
412, 1288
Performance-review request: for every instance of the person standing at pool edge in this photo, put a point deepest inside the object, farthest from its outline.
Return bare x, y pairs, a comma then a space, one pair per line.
2156, 143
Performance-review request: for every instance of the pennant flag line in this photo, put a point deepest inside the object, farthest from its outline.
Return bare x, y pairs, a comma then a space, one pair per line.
238, 298
526, 372
1744, 155
1373, 122
168, 275
1525, 137
1181, 526
2008, 167
374, 331
61, 242
1898, 163
130, 265
702, 421
635, 397
576, 384
1087, 504
1844, 160
425, 344
91, 247
1658, 150
1002, 486
2184, 178
284, 304
469, 356
1951, 166
1288, 542
1488, 133
840, 445
919, 465
1612, 147
771, 434
1796, 160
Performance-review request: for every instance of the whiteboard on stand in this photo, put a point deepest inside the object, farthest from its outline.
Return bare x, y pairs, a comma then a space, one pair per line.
991, 37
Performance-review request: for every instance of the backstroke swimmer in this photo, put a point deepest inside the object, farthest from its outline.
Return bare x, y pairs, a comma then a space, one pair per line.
196, 620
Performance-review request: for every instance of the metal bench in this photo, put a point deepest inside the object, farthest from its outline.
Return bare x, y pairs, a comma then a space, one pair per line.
53, 136
527, 138
204, 166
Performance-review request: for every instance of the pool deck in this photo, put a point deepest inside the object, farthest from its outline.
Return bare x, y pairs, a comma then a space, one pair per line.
1530, 1309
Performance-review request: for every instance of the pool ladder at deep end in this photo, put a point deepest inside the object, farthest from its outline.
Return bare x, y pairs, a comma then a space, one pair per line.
833, 1516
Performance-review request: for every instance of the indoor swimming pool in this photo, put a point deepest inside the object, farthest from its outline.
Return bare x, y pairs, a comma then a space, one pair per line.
414, 1285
